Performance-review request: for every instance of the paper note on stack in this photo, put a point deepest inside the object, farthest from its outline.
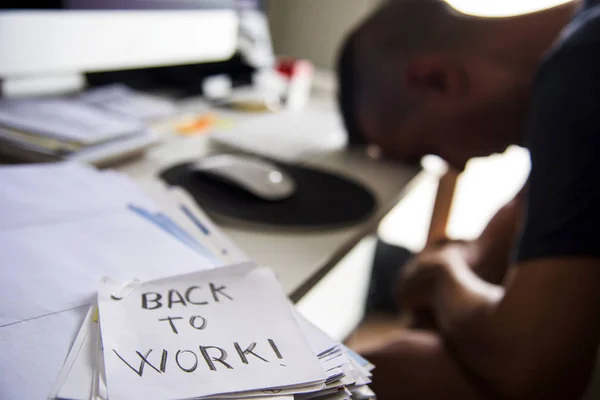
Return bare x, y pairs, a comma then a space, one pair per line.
228, 331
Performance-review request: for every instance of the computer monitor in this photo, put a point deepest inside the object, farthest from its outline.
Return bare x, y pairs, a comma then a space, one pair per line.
56, 44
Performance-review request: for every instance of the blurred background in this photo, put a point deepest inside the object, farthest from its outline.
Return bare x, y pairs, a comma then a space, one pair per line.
314, 29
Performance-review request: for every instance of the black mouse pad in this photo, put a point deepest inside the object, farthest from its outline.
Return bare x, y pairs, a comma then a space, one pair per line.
321, 199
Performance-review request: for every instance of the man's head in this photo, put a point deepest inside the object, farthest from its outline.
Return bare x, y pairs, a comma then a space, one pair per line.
419, 78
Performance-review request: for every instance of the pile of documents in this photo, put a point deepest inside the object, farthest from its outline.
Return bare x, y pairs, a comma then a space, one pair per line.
166, 306
222, 333
98, 126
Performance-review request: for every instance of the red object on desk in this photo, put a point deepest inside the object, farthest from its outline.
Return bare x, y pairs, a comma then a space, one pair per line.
299, 74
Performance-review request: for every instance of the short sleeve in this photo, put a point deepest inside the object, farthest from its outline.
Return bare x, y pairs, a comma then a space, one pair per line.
563, 207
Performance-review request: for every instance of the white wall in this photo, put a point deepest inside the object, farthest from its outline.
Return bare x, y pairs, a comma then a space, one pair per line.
313, 29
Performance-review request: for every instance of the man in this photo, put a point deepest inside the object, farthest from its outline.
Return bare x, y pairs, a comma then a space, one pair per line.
419, 78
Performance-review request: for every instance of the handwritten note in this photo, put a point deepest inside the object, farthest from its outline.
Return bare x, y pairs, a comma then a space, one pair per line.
227, 330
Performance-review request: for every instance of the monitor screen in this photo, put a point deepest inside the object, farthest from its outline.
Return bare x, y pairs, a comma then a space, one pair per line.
162, 42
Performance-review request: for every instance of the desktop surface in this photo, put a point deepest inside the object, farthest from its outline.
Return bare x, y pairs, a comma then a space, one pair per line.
299, 256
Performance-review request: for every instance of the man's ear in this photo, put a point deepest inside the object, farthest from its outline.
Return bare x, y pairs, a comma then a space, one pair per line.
436, 78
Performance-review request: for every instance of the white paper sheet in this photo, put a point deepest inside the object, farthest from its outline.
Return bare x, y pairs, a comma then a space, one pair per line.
189, 217
225, 247
33, 353
56, 267
115, 149
272, 392
319, 341
76, 376
100, 389
38, 194
63, 227
69, 221
240, 335
334, 362
362, 393
120, 99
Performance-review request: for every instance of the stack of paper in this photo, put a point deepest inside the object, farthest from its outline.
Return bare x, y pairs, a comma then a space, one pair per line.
160, 321
348, 374
98, 126
63, 228
222, 333
122, 100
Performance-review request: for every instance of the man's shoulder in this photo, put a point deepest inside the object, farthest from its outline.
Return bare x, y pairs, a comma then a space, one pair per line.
563, 216
578, 45
582, 33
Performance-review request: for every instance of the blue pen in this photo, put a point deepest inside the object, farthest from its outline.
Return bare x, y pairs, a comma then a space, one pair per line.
147, 216
183, 235
194, 219
173, 228
168, 226
199, 224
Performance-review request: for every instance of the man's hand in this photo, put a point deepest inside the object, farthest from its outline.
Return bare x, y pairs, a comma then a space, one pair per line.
437, 277
418, 280
488, 257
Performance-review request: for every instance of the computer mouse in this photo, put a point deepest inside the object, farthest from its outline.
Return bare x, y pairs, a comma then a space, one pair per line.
254, 175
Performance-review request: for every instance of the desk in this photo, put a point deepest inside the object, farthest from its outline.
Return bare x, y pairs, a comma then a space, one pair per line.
300, 258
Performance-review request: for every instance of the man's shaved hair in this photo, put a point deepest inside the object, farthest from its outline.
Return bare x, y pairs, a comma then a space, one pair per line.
373, 55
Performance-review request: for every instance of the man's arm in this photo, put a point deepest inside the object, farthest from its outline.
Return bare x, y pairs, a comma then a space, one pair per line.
488, 256
537, 339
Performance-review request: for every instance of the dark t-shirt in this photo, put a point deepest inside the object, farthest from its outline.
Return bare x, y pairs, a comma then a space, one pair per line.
563, 213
